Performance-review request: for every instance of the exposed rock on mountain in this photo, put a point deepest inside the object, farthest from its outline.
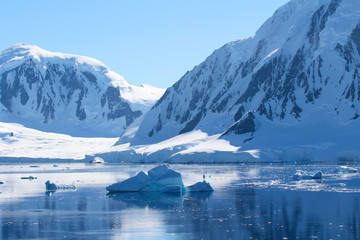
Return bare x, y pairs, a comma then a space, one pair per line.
303, 59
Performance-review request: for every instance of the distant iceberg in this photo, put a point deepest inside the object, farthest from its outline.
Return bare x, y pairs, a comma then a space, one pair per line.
346, 170
29, 178
303, 175
97, 160
200, 187
159, 179
53, 187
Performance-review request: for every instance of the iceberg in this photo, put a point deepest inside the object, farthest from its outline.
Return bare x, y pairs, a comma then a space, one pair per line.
29, 177
53, 187
346, 170
97, 160
158, 179
303, 175
200, 187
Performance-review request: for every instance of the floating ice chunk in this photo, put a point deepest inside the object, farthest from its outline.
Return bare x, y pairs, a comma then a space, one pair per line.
200, 187
98, 160
158, 179
303, 175
2, 182
29, 177
346, 170
52, 186
133, 184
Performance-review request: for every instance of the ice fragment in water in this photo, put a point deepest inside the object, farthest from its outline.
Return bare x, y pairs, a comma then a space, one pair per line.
346, 170
200, 187
29, 177
303, 175
52, 186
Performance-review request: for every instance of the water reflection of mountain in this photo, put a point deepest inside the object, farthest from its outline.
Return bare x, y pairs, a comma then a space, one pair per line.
238, 213
266, 214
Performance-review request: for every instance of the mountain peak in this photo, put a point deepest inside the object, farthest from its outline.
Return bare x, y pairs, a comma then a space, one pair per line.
69, 91
302, 59
22, 51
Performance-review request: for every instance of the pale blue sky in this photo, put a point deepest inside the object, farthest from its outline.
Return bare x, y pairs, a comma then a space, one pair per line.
146, 41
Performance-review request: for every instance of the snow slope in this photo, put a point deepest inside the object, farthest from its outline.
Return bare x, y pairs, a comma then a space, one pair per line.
68, 93
290, 93
18, 142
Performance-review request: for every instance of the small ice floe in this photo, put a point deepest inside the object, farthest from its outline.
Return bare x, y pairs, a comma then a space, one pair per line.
55, 165
159, 179
303, 175
29, 178
97, 160
52, 186
200, 187
34, 166
2, 182
346, 170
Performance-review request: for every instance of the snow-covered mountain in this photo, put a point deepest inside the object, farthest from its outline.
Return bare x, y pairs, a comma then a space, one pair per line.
68, 93
295, 83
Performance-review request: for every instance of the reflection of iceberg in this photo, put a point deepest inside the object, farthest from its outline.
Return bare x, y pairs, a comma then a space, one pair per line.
303, 175
159, 179
346, 170
53, 187
201, 196
156, 200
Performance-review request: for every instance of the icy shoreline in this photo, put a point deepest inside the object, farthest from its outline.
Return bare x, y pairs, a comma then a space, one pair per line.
24, 160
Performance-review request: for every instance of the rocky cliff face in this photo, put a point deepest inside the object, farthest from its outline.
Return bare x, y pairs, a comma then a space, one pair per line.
304, 59
60, 90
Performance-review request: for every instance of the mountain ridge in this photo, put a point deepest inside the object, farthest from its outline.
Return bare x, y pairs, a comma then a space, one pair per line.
289, 93
293, 51
56, 88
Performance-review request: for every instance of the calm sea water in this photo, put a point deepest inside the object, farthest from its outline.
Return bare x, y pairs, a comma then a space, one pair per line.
249, 202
